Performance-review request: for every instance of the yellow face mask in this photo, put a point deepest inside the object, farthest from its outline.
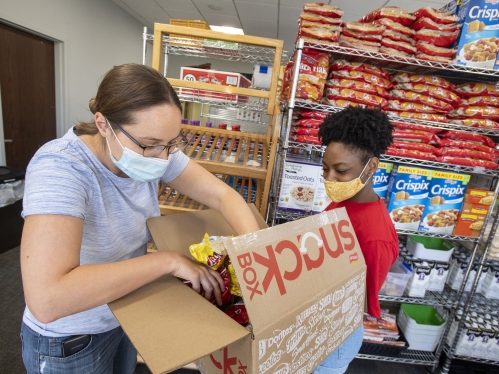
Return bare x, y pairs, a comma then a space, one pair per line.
340, 191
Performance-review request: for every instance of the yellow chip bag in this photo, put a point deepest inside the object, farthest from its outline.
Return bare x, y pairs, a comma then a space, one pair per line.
235, 289
211, 251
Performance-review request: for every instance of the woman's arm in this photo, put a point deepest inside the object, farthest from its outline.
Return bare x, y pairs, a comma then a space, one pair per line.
55, 285
202, 186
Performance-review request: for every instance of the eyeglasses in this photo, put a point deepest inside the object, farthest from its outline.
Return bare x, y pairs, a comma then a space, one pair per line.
155, 150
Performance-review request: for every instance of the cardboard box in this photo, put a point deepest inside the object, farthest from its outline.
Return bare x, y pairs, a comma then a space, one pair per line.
381, 178
303, 283
321, 199
479, 196
471, 220
444, 202
215, 77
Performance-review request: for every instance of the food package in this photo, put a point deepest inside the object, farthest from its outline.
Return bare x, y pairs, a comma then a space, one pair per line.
439, 105
346, 41
365, 28
426, 89
226, 294
362, 76
476, 122
433, 117
393, 52
361, 36
393, 13
431, 50
439, 16
304, 131
421, 147
339, 103
359, 66
464, 144
423, 79
428, 23
398, 37
211, 251
410, 106
358, 86
412, 126
323, 10
401, 46
333, 93
312, 75
468, 153
468, 136
437, 38
320, 19
409, 153
313, 114
424, 56
319, 33
309, 123
307, 139
415, 136
238, 313
472, 162
477, 89
235, 288
481, 101
486, 112
314, 24
395, 26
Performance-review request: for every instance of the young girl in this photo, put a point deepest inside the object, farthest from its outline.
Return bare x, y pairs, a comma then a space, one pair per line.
355, 138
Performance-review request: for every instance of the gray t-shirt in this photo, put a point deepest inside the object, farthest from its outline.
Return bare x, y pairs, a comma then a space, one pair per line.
65, 177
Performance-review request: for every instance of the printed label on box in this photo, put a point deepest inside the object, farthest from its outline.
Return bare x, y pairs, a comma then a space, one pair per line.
444, 202
298, 186
321, 200
407, 192
381, 179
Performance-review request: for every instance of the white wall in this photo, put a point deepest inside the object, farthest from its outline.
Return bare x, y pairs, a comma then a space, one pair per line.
91, 37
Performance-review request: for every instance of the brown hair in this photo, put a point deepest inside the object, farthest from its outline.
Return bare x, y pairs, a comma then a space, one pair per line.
125, 89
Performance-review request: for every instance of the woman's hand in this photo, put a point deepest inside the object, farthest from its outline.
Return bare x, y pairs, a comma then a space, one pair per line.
201, 276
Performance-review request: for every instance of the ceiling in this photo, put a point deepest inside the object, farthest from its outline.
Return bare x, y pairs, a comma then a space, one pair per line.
267, 18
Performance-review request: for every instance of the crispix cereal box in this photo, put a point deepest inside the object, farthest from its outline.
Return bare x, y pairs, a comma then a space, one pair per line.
407, 192
381, 178
444, 202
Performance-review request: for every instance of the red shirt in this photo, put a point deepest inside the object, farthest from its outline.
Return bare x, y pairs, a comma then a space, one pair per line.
378, 241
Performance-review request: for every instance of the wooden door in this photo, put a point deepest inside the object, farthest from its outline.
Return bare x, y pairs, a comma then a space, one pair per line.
27, 84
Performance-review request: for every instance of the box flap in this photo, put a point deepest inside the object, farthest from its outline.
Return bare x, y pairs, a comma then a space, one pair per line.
162, 319
282, 267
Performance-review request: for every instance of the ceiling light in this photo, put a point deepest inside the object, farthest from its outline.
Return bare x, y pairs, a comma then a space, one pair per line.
227, 29
214, 7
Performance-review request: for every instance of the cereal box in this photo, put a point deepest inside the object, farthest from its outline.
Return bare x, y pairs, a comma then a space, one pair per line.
381, 178
478, 43
471, 220
298, 186
321, 199
444, 202
408, 189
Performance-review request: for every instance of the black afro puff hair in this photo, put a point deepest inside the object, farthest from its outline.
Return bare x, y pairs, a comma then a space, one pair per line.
367, 131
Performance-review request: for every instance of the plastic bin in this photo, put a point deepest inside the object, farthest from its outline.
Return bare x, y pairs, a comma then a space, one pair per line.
11, 222
396, 280
430, 248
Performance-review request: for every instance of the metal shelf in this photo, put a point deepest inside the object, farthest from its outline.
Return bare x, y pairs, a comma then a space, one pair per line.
259, 105
438, 125
409, 64
482, 304
408, 357
469, 358
446, 299
230, 118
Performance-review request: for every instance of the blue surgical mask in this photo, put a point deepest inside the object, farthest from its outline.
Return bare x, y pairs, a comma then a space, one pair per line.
138, 167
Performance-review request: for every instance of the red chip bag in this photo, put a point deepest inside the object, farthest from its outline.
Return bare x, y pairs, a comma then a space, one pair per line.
437, 38
365, 77
393, 52
313, 24
307, 91
304, 131
421, 147
226, 295
309, 123
486, 112
358, 86
307, 139
313, 114
423, 79
391, 12
365, 28
409, 106
472, 162
432, 117
428, 23
482, 101
401, 46
339, 103
461, 135
423, 56
415, 136
477, 89
323, 10
346, 41
238, 313
360, 66
334, 93
312, 75
439, 105
439, 16
395, 26
431, 50
319, 33
462, 144
468, 153
398, 37
476, 122
320, 19
426, 89
360, 36
409, 153
412, 126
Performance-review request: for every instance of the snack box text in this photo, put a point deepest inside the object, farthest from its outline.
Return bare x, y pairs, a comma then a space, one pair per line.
381, 178
298, 186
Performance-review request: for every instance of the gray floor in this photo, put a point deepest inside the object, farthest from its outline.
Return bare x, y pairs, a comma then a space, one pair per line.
12, 306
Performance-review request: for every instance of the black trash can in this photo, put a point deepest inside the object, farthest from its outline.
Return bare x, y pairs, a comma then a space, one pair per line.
11, 222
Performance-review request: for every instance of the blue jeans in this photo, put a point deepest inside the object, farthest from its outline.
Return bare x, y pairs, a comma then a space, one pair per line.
107, 353
338, 361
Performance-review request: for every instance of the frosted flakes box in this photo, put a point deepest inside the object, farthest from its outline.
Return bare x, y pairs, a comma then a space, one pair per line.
381, 178
408, 189
444, 202
478, 43
299, 182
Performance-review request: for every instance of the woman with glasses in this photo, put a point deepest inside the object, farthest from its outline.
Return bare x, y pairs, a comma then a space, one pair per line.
87, 198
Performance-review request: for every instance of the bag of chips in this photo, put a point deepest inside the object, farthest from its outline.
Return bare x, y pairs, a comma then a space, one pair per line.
442, 60
323, 10
319, 33
348, 42
476, 122
395, 26
482, 101
398, 37
410, 153
472, 162
365, 28
313, 114
393, 52
415, 136
321, 19
439, 105
359, 66
393, 13
437, 38
312, 75
439, 16
464, 144
485, 112
360, 36
426, 89
358, 86
333, 93
477, 89
432, 117
431, 50
468, 153
421, 147
423, 79
211, 251
409, 106
461, 135
339, 103
401, 46
412, 126
428, 23
309, 123
235, 288
307, 139
297, 130
238, 313
362, 76
313, 24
